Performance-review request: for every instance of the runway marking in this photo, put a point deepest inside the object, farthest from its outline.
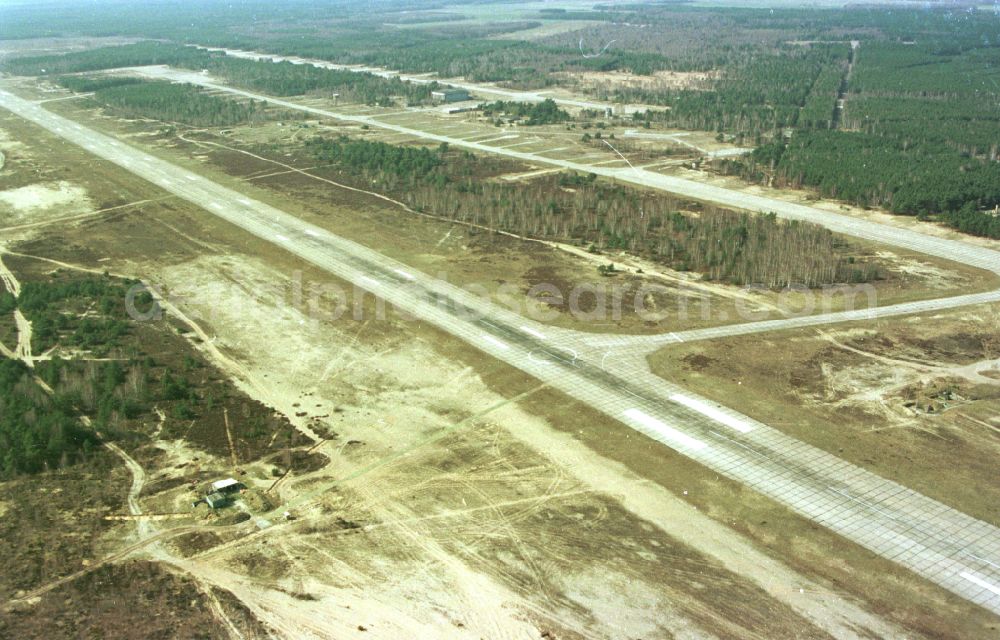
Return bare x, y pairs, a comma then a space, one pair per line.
711, 412
310, 232
531, 331
531, 357
408, 276
281, 237
192, 178
368, 280
980, 582
244, 201
972, 555
215, 205
662, 429
499, 343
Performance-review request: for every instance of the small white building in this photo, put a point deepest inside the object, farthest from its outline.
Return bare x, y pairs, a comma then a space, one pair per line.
229, 485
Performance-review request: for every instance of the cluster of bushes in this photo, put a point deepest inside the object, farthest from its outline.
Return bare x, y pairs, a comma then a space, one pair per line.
533, 113
43, 304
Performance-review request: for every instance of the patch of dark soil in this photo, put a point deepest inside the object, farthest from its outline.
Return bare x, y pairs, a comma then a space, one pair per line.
191, 543
53, 522
697, 361
128, 600
299, 461
164, 484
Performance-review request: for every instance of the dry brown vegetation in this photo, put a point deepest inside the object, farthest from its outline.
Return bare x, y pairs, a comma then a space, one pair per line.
129, 600
911, 401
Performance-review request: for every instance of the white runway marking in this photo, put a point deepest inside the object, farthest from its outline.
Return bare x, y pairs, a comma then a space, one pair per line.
408, 276
532, 332
662, 429
711, 412
979, 581
502, 345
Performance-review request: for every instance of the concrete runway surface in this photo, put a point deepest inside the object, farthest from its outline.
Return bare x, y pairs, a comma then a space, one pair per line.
958, 552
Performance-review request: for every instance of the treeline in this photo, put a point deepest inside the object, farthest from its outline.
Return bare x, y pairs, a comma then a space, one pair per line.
288, 79
182, 103
533, 113
130, 55
722, 245
379, 159
277, 78
904, 176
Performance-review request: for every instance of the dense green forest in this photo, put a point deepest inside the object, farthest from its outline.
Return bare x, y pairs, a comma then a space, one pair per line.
86, 84
36, 432
280, 79
182, 103
410, 164
920, 135
288, 79
757, 96
720, 244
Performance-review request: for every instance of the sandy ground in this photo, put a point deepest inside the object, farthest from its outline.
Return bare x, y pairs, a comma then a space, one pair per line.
42, 200
611, 80
457, 500
916, 399
465, 481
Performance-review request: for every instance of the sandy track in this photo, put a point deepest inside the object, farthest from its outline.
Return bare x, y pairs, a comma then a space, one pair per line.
943, 545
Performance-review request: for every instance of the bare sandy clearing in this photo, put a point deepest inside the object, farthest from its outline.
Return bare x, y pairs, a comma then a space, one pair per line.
446, 473
52, 198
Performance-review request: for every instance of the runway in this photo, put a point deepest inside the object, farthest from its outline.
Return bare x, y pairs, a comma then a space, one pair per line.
958, 552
